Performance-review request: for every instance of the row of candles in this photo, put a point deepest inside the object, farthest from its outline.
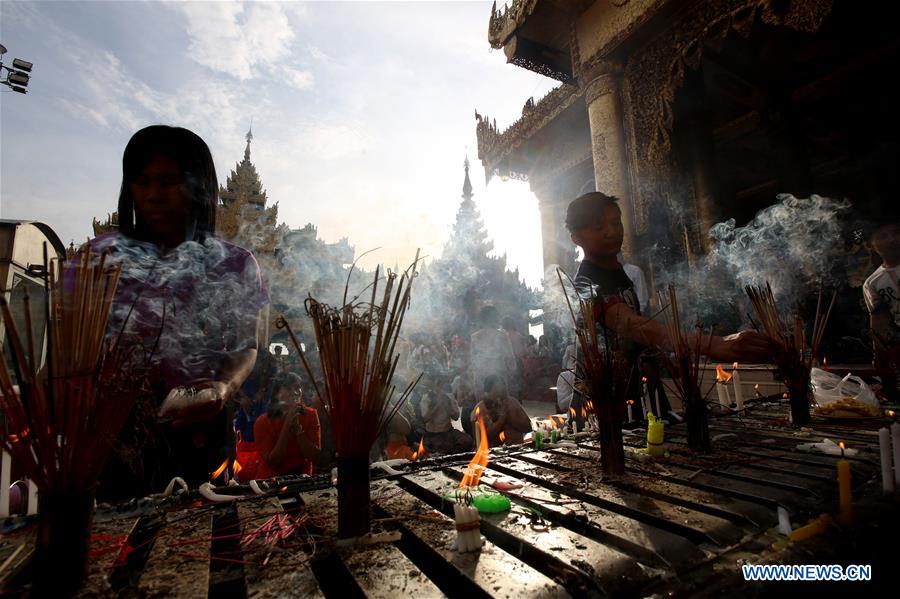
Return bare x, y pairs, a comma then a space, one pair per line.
889, 444
6, 490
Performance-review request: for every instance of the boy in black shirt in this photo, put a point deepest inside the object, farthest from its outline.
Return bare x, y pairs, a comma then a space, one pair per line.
594, 221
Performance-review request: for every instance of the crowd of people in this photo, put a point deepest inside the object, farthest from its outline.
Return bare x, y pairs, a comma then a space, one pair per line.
192, 303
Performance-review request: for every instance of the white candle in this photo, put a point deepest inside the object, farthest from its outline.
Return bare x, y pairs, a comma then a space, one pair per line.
645, 398
895, 441
461, 544
5, 466
724, 398
470, 539
784, 521
738, 390
630, 414
32, 498
887, 474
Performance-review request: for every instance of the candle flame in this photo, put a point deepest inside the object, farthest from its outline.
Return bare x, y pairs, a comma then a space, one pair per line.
476, 467
735, 366
219, 470
420, 452
891, 413
785, 395
842, 446
502, 437
643, 379
574, 413
236, 467
825, 361
630, 402
721, 375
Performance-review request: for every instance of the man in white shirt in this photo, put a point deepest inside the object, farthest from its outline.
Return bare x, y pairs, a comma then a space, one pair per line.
882, 289
491, 351
565, 382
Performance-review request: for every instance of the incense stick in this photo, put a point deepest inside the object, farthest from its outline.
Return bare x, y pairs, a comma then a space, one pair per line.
64, 416
791, 351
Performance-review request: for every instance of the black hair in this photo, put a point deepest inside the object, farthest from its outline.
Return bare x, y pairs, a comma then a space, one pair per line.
585, 210
488, 316
490, 382
193, 158
285, 379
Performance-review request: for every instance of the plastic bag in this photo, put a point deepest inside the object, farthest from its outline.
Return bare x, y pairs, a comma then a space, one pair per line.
828, 388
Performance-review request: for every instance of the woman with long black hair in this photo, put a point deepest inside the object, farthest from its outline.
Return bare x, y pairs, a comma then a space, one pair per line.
190, 300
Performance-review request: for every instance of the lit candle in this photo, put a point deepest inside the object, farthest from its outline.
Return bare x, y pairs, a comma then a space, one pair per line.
738, 390
721, 380
895, 441
846, 498
630, 403
5, 466
887, 469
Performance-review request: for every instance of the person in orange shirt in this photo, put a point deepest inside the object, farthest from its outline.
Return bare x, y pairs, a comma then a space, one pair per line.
288, 435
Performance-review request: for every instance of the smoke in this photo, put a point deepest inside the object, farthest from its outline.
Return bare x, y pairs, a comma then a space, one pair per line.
202, 297
795, 245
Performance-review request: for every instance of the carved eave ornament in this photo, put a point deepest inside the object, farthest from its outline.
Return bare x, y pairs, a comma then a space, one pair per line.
496, 148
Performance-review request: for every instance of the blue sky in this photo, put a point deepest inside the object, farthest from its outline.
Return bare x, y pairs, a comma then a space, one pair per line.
362, 112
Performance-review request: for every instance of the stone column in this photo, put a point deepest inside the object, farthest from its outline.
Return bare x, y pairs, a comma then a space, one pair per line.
604, 106
557, 245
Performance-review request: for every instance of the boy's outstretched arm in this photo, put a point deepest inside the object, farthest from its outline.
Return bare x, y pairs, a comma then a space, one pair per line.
746, 346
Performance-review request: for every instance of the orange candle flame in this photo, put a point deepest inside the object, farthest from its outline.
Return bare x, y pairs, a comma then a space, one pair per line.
236, 467
219, 470
721, 375
502, 437
643, 379
420, 452
735, 366
476, 467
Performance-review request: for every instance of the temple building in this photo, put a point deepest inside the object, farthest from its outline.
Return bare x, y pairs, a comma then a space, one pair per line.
694, 111
242, 215
465, 278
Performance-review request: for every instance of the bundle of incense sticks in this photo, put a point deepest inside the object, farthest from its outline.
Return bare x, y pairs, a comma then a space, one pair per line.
604, 376
791, 351
683, 364
63, 416
357, 349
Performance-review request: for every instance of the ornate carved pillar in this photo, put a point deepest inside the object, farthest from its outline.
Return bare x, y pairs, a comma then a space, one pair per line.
604, 106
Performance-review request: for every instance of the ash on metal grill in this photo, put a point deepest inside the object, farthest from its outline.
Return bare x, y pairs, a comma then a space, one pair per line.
678, 523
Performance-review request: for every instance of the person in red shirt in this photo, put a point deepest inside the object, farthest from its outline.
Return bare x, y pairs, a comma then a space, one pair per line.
288, 435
